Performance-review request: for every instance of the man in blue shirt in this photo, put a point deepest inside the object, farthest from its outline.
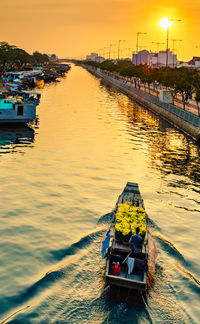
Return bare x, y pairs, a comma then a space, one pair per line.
136, 241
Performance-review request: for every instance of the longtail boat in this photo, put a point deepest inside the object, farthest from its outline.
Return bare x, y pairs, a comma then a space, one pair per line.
124, 267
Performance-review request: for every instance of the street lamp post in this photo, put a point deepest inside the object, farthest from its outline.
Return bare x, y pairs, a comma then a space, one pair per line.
121, 40
141, 47
197, 46
110, 46
158, 44
104, 54
137, 43
167, 45
168, 25
129, 51
175, 40
100, 53
110, 50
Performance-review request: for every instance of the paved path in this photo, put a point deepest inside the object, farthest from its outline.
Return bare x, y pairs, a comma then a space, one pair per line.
191, 106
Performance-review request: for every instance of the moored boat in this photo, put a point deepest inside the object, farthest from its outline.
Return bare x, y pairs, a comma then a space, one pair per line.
19, 76
125, 267
20, 109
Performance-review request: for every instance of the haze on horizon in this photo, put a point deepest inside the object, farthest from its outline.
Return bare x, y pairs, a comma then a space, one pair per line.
74, 28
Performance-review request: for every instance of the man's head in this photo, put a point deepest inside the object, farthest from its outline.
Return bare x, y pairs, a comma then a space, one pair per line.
137, 230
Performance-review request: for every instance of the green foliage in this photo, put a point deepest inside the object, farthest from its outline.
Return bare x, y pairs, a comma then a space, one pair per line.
12, 57
197, 94
123, 67
181, 81
197, 97
38, 58
107, 65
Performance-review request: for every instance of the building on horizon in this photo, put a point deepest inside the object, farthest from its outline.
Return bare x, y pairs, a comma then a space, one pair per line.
91, 57
95, 58
142, 57
194, 63
154, 59
162, 56
100, 59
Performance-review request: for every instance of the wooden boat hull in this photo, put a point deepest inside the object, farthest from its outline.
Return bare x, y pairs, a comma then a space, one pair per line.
124, 282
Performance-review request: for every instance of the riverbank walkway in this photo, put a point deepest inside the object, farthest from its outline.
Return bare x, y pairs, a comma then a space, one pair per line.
190, 104
189, 114
186, 120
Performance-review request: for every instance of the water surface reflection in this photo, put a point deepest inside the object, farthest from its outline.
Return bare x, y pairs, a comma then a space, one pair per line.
92, 140
15, 138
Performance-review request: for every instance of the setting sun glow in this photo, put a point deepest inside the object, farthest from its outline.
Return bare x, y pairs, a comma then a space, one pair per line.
165, 23
74, 29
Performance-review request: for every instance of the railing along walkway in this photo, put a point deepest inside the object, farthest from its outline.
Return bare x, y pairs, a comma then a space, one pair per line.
185, 115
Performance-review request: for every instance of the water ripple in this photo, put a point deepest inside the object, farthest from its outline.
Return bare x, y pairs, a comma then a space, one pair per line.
61, 173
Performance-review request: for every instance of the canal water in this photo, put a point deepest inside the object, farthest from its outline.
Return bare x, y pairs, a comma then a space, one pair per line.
60, 178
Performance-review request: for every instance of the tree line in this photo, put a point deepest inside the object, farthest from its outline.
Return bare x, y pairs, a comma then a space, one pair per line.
182, 81
14, 58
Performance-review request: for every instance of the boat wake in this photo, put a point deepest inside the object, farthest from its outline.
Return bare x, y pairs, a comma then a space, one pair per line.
67, 263
168, 247
83, 243
73, 290
106, 219
187, 274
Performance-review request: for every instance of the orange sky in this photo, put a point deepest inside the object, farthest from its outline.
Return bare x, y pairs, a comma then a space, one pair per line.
74, 28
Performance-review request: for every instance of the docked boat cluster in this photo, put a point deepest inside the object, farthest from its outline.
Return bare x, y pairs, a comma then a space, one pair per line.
34, 77
17, 102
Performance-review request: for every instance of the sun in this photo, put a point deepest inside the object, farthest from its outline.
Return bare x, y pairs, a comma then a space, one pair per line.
165, 23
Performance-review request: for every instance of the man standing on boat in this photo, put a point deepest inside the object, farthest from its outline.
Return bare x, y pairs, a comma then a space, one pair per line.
136, 241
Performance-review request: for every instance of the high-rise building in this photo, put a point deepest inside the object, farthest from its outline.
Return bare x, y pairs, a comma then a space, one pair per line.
142, 57
155, 59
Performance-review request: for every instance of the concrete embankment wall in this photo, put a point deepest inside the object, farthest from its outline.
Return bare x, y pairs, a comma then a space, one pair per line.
139, 96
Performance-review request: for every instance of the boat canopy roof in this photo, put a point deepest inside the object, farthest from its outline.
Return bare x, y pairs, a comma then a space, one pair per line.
17, 80
13, 85
13, 73
6, 103
31, 92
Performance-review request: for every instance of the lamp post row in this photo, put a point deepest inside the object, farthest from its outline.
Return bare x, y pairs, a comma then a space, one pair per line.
137, 43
